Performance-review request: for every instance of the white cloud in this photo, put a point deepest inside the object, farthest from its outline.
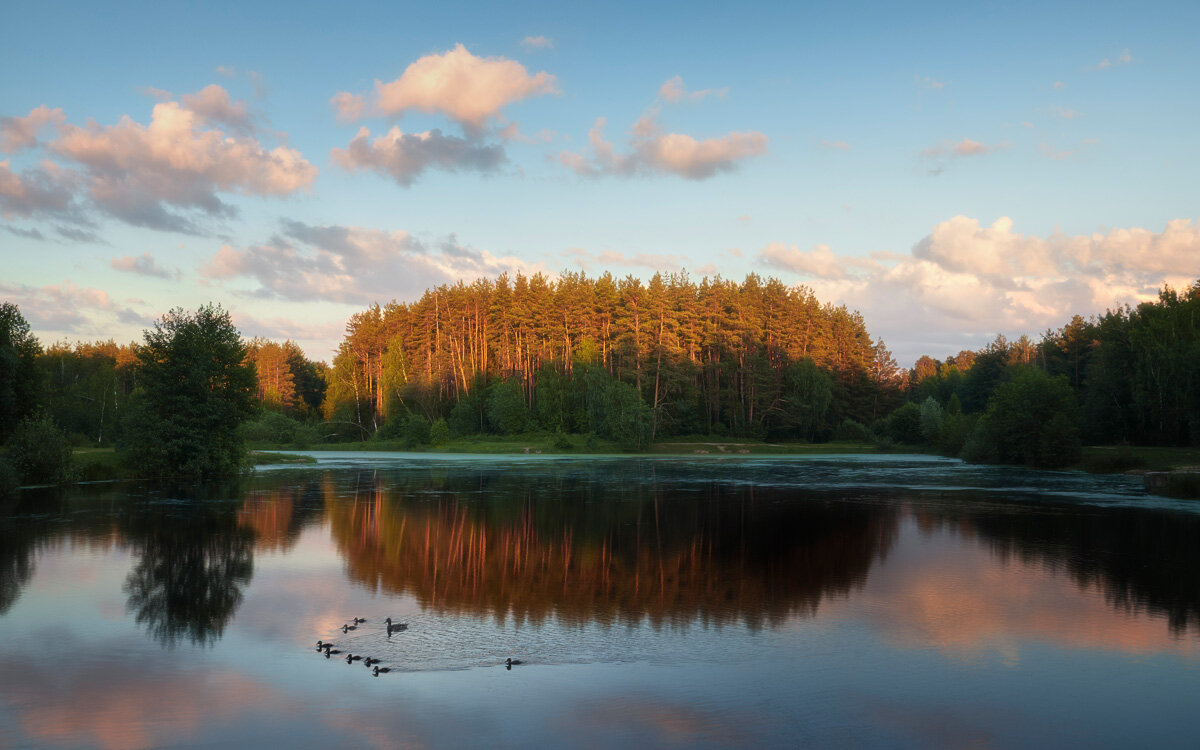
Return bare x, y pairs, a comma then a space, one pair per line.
405, 156
964, 282
675, 91
19, 133
354, 265
655, 152
468, 89
215, 106
1122, 59
165, 174
537, 42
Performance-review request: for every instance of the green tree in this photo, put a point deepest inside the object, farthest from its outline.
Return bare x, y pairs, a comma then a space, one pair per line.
196, 388
39, 451
506, 409
1030, 420
19, 378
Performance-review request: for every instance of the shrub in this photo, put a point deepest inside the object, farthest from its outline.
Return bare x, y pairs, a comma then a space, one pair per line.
932, 417
439, 433
562, 443
904, 424
40, 452
850, 431
274, 428
9, 481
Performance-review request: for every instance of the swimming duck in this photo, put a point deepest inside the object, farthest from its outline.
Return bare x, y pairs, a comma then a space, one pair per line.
367, 662
329, 651
510, 662
381, 670
357, 620
322, 644
348, 627
397, 627
352, 658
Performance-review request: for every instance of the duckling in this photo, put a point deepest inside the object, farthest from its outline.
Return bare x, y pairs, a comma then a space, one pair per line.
367, 662
509, 663
322, 644
348, 627
381, 670
330, 651
357, 620
352, 658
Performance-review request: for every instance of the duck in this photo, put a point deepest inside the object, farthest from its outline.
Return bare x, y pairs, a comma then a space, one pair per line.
352, 658
330, 651
357, 620
323, 644
510, 663
381, 670
395, 627
367, 662
348, 627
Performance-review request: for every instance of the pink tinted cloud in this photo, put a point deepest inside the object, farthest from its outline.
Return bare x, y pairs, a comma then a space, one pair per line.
19, 133
405, 156
468, 89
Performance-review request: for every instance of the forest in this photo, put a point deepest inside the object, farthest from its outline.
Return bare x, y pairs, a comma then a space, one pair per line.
634, 362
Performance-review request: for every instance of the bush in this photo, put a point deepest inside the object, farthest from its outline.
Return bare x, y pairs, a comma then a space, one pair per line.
274, 428
439, 433
561, 442
1030, 420
932, 417
9, 481
904, 425
40, 452
850, 431
956, 428
411, 430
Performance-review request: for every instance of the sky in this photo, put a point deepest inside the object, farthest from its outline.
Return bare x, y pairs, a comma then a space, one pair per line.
950, 170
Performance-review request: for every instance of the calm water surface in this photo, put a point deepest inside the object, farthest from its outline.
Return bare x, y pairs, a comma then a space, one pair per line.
832, 601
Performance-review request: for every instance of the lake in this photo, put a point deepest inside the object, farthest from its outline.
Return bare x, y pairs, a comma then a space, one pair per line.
832, 601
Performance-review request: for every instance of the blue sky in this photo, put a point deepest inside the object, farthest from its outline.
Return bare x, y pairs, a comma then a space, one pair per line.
952, 172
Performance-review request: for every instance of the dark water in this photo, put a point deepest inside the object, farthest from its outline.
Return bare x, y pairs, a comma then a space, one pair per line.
832, 602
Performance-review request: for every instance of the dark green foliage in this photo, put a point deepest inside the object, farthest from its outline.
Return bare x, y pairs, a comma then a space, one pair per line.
9, 480
956, 428
20, 383
850, 431
412, 430
274, 428
904, 425
807, 396
39, 451
195, 390
616, 411
1030, 420
507, 412
439, 432
1113, 460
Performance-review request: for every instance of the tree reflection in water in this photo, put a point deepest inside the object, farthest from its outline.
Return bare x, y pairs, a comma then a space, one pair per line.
194, 561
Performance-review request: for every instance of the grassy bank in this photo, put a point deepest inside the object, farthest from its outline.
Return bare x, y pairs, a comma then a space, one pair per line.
1115, 459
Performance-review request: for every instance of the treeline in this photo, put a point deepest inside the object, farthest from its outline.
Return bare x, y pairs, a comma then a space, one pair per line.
1130, 376
628, 360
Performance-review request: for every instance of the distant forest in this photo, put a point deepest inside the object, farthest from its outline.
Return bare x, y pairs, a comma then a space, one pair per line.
634, 361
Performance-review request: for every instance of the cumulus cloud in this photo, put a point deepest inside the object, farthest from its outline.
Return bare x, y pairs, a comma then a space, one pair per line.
674, 91
405, 156
353, 265
537, 42
655, 152
19, 133
166, 174
468, 89
45, 191
965, 279
1122, 59
68, 308
144, 265
214, 105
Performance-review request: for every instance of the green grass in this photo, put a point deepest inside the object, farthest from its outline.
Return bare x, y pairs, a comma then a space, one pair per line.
1111, 459
98, 465
262, 458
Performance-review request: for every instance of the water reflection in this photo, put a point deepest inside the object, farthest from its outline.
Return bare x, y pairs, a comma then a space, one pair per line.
191, 569
583, 547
